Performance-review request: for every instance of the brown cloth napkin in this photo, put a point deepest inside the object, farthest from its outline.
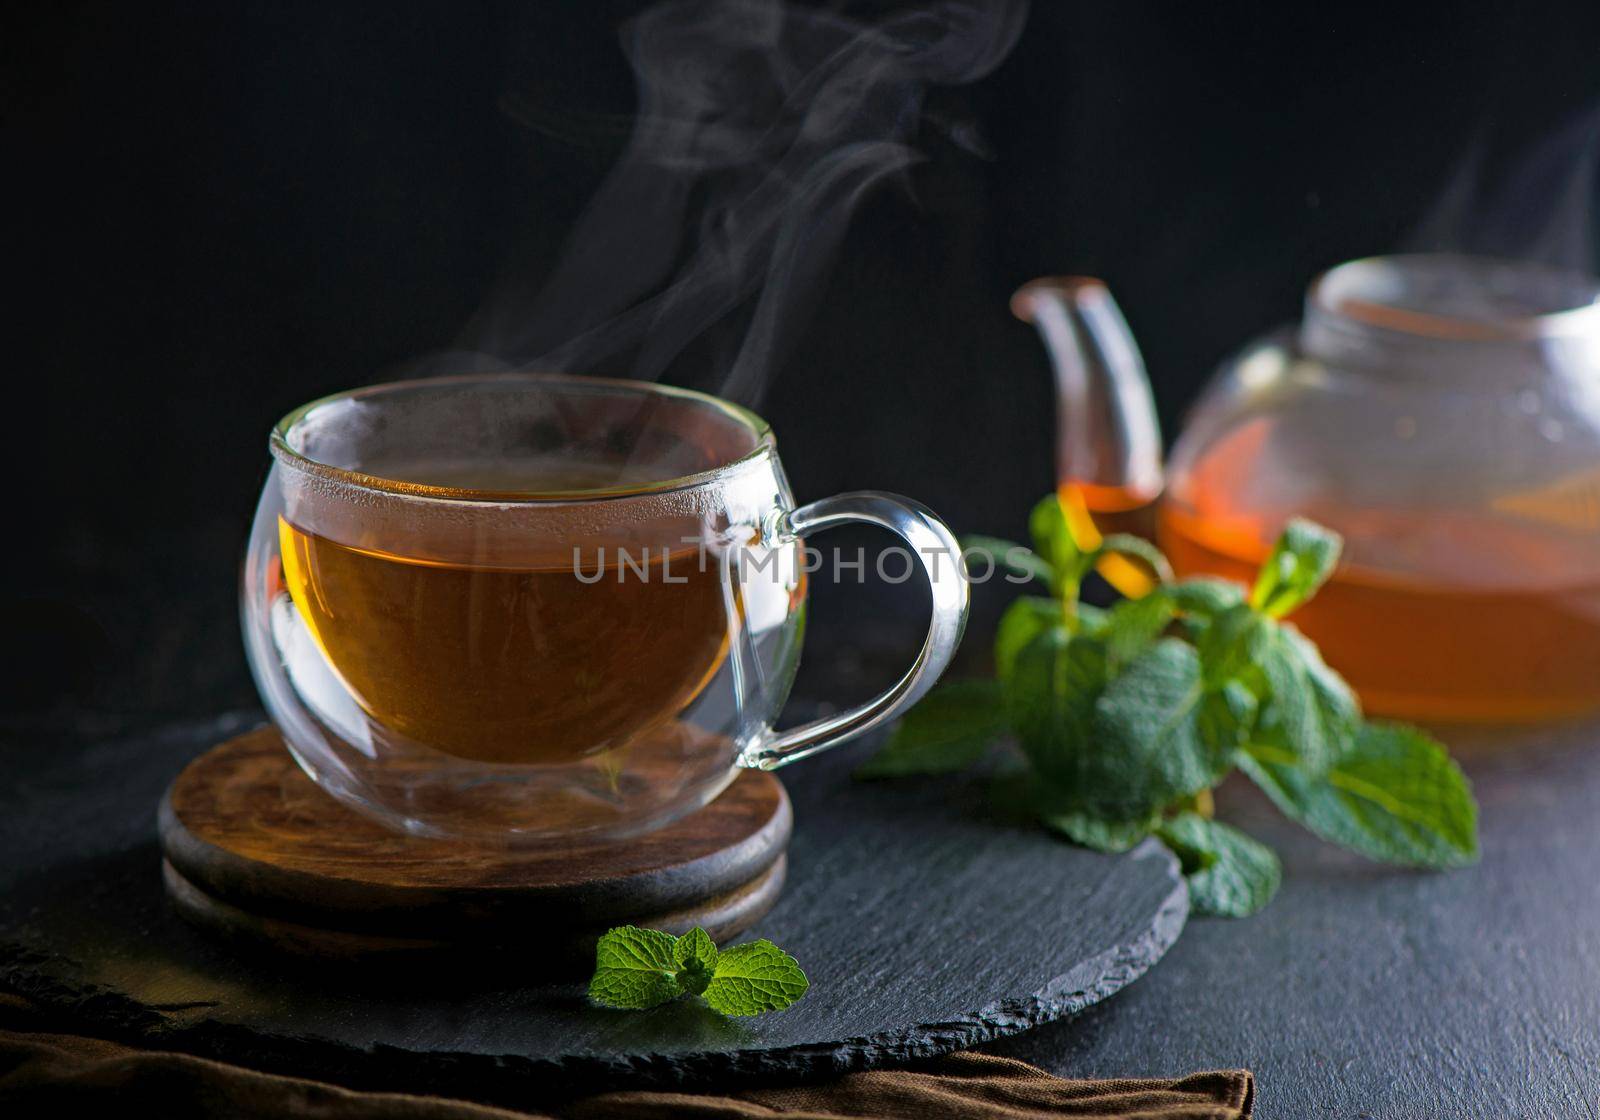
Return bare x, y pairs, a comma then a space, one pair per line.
44, 1073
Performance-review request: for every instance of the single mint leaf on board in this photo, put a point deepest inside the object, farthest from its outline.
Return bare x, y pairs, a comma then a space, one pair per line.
1050, 697
1025, 619
1302, 559
1013, 557
1392, 794
754, 978
1145, 749
1126, 544
1230, 874
635, 968
1100, 833
696, 958
1133, 624
951, 729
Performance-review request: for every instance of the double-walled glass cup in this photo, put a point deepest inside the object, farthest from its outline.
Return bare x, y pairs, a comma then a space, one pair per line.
520, 607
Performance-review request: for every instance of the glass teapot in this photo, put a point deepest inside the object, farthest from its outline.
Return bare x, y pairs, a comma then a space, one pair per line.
1442, 412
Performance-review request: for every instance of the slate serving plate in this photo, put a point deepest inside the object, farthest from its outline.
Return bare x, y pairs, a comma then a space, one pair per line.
926, 921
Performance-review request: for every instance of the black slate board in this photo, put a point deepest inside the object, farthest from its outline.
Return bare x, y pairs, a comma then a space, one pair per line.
1365, 991
926, 923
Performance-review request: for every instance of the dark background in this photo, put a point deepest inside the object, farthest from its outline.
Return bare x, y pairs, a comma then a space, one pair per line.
225, 210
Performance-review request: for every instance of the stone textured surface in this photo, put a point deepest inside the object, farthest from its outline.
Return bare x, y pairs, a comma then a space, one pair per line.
925, 923
1365, 991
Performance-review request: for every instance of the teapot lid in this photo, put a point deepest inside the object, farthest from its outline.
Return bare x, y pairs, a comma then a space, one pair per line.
1455, 297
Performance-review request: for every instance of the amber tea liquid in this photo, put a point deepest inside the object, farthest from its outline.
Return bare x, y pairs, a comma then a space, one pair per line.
509, 663
1523, 648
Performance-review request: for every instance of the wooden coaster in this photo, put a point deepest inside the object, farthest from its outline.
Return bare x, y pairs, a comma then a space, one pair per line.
255, 851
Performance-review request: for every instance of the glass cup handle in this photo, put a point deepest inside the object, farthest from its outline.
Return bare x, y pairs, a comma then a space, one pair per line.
935, 547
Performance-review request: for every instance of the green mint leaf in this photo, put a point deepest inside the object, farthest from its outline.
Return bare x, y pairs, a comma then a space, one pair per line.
1127, 544
1145, 749
1314, 712
1392, 794
1014, 557
1091, 620
1100, 833
1133, 624
1231, 643
951, 729
1301, 560
1050, 696
635, 968
1054, 543
639, 968
1230, 874
1204, 596
1024, 620
696, 958
1340, 708
1052, 539
1227, 717
753, 978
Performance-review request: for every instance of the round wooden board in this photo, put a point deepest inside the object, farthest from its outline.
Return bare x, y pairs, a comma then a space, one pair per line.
253, 849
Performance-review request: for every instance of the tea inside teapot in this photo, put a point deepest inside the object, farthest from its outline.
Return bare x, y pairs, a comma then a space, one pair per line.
1443, 414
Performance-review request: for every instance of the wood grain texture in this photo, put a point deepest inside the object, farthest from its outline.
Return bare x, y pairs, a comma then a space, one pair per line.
253, 845
925, 923
470, 948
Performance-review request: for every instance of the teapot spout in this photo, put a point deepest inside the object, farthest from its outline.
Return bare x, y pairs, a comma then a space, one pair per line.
1108, 438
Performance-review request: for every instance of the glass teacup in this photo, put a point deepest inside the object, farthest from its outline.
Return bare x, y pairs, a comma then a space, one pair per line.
529, 606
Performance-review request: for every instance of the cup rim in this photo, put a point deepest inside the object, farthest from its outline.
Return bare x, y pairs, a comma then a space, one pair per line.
281, 449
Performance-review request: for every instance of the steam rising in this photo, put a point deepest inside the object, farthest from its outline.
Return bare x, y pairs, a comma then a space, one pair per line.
1543, 210
761, 125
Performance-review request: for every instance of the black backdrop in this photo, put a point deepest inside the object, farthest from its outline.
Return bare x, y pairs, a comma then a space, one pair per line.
224, 210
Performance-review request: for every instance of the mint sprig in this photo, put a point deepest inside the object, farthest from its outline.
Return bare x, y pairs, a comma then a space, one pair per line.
1128, 716
639, 968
